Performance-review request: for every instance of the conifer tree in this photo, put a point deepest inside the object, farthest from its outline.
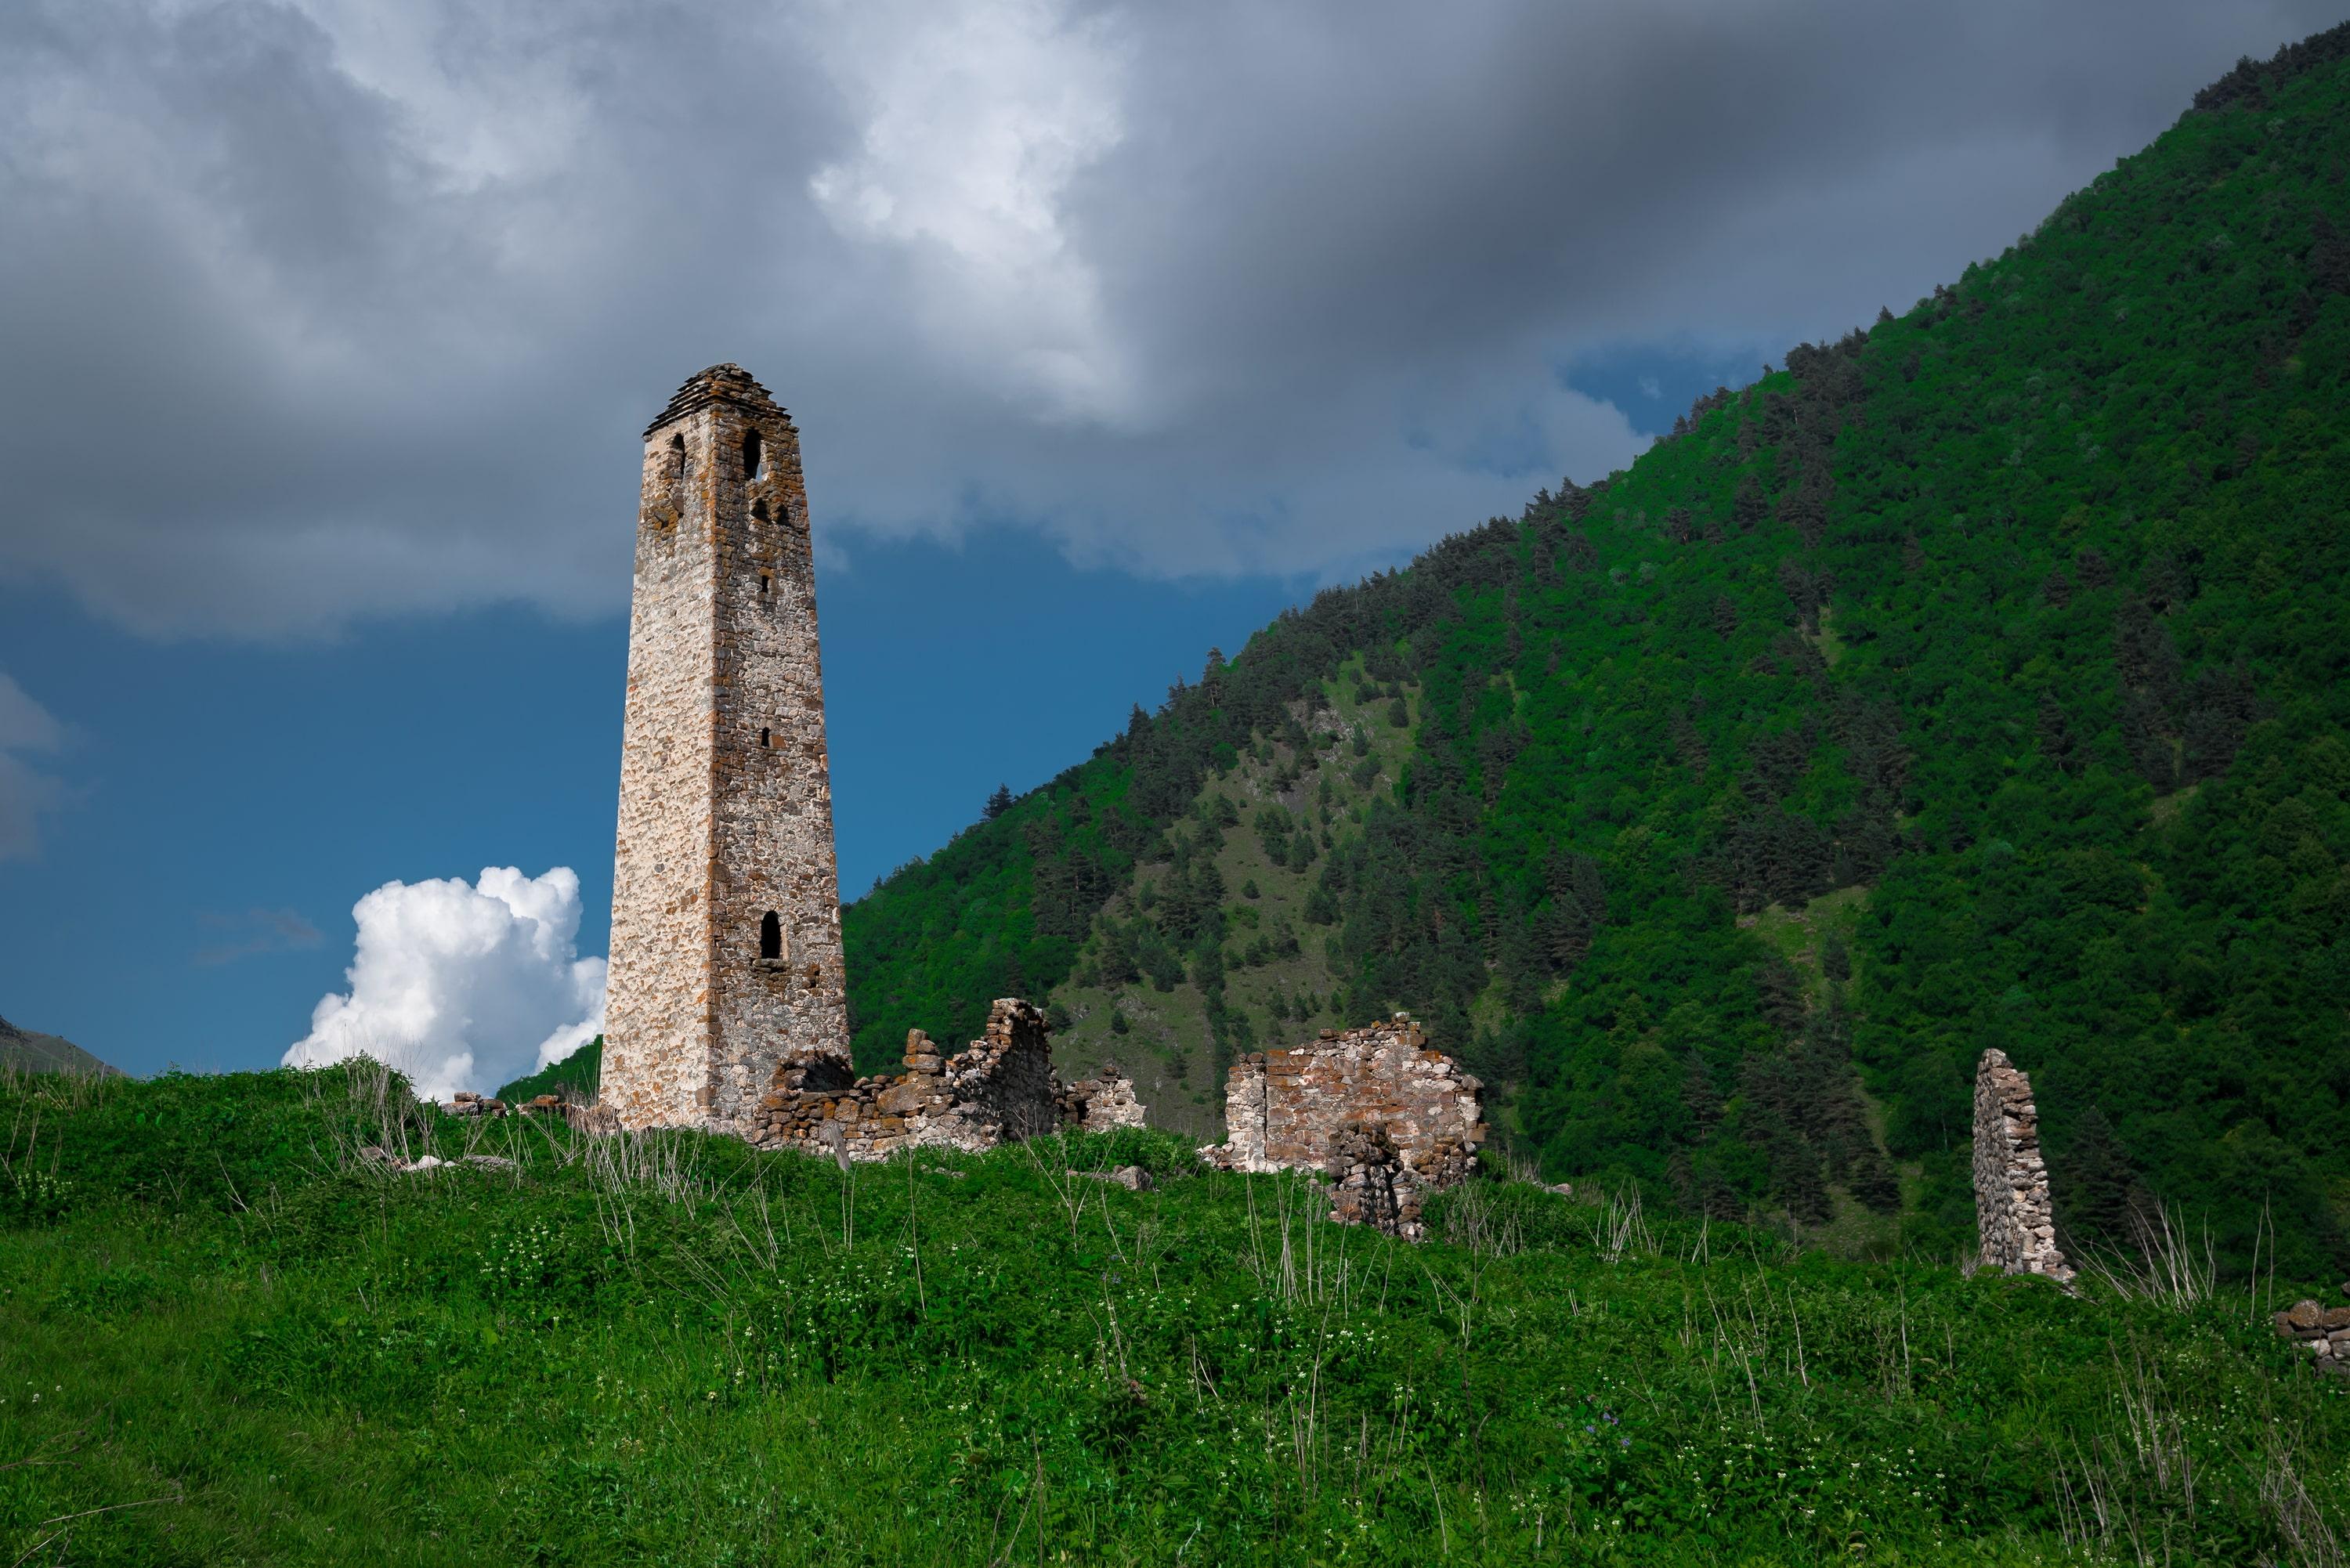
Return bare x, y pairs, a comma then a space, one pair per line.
1700, 1097
2097, 1191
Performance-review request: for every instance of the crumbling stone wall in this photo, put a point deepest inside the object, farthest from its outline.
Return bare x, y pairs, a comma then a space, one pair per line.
725, 949
2012, 1207
1368, 1183
1389, 1119
1110, 1100
2322, 1331
1002, 1090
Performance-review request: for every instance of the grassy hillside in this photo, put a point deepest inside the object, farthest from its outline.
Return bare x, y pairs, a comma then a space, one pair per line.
225, 1336
583, 1070
1975, 680
1144, 991
27, 1052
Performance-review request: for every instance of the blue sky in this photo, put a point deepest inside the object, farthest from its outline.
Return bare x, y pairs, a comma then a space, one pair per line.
222, 801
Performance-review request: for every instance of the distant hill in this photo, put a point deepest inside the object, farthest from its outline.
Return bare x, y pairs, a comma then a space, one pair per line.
583, 1069
1981, 679
30, 1053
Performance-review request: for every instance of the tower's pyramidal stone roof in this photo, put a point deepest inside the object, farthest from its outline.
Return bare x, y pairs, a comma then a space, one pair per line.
728, 383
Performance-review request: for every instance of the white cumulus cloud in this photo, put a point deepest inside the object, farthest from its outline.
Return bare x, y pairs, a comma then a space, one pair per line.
463, 985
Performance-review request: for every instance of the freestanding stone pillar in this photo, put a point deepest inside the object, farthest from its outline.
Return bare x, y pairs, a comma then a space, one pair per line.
2011, 1208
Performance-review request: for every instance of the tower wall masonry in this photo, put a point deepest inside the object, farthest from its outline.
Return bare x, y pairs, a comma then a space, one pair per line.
725, 782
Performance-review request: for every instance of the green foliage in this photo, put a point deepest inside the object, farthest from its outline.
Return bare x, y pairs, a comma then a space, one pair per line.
29, 1198
1000, 911
582, 1070
673, 1348
1978, 679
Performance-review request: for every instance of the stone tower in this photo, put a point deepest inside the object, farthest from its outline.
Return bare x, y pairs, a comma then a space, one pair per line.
725, 897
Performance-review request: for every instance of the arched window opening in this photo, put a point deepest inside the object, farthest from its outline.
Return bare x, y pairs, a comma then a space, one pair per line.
771, 935
754, 456
665, 499
762, 734
764, 583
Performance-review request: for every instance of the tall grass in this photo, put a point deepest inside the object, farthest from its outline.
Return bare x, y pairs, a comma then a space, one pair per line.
251, 1340
2167, 1266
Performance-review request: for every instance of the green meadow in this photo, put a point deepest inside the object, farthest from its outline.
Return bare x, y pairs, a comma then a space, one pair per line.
229, 1336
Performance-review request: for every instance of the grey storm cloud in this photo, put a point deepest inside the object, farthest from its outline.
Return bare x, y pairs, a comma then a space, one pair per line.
26, 792
325, 310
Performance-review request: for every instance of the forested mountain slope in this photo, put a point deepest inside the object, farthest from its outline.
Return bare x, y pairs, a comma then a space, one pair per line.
1974, 680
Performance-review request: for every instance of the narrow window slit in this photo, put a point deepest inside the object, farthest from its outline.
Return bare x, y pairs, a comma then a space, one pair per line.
762, 734
771, 935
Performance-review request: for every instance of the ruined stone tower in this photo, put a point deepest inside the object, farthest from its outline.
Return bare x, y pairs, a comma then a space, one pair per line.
2012, 1209
725, 897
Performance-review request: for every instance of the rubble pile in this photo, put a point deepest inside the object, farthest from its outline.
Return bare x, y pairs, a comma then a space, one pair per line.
2323, 1330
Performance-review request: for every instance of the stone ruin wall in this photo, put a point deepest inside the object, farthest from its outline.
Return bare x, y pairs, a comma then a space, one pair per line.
1369, 1185
1390, 1120
2018, 1225
2323, 1332
1001, 1090
2011, 1208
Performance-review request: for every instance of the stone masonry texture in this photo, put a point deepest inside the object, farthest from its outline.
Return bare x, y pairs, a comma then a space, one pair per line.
1388, 1119
1001, 1090
726, 955
2011, 1208
2323, 1332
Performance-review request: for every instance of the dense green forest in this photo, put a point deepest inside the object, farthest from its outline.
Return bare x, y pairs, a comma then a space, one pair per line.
1975, 680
